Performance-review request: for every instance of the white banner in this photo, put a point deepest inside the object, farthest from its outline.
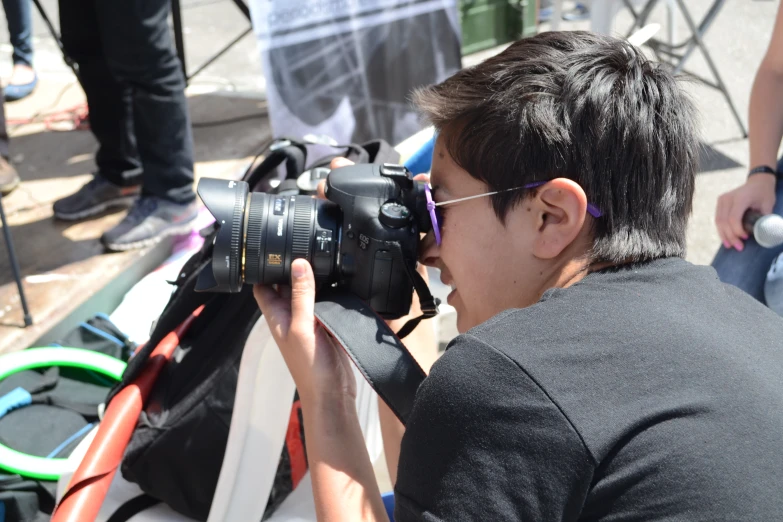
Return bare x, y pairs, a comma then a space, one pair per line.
280, 23
346, 68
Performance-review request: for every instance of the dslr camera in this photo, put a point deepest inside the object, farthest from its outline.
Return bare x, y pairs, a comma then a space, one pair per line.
363, 237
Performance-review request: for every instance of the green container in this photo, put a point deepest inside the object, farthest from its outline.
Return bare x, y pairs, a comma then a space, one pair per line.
489, 23
529, 17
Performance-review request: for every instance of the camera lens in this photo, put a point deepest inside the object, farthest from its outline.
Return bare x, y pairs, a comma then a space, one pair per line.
260, 235
283, 228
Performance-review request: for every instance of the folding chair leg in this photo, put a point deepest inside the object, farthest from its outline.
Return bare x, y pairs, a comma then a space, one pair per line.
721, 86
640, 18
703, 27
28, 319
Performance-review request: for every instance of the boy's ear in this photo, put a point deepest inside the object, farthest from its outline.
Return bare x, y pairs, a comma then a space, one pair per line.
560, 209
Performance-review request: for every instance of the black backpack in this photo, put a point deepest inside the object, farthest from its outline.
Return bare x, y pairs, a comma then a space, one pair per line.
47, 414
176, 451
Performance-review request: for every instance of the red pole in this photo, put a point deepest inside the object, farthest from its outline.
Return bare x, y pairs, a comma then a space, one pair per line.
88, 487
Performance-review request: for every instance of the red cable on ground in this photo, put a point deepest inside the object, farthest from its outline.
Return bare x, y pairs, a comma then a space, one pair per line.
77, 116
89, 485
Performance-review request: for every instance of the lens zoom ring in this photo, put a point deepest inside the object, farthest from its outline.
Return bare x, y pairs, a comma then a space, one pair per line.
303, 213
255, 231
236, 238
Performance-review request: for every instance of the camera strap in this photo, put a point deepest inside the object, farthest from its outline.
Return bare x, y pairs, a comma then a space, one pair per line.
373, 347
429, 304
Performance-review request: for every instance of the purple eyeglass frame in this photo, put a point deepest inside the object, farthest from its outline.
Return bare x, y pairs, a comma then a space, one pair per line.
431, 205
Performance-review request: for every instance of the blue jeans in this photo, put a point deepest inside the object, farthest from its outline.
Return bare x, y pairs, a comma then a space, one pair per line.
749, 270
20, 30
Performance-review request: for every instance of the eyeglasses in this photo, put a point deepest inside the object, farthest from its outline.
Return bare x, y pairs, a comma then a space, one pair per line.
432, 206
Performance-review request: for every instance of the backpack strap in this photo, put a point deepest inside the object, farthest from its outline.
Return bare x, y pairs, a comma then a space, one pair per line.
86, 409
380, 151
292, 152
375, 151
133, 507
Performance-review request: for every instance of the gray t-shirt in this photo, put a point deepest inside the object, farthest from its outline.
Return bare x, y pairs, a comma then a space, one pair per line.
650, 392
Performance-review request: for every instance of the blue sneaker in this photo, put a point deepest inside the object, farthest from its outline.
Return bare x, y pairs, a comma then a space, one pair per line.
579, 13
14, 92
545, 14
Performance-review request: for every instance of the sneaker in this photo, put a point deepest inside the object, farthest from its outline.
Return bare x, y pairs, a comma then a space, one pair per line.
16, 91
93, 198
545, 14
149, 220
579, 13
9, 179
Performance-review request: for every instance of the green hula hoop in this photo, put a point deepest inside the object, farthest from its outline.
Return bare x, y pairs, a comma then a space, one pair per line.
39, 467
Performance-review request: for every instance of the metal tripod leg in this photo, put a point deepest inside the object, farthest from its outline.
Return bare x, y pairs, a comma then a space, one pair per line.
28, 319
68, 60
179, 40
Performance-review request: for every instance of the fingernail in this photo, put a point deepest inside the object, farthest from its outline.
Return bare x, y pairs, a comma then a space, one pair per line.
744, 237
738, 246
726, 244
297, 269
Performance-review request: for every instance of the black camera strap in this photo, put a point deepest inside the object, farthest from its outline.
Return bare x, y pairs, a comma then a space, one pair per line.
373, 347
429, 304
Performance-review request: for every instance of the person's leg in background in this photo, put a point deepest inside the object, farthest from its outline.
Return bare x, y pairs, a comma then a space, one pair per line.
20, 29
747, 270
118, 180
139, 50
9, 178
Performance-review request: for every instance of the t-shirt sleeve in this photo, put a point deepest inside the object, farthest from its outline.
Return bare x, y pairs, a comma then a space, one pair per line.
485, 442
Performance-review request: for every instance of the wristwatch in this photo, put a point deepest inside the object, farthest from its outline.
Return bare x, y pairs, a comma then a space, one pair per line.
764, 169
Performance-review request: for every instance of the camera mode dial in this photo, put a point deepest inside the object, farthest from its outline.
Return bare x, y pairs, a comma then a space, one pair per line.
394, 215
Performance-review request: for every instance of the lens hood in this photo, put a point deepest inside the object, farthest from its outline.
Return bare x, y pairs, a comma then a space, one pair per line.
226, 200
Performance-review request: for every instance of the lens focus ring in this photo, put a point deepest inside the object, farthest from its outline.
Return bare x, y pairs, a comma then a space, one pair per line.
236, 238
255, 240
303, 216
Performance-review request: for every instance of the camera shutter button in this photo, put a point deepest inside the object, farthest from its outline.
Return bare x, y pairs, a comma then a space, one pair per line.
394, 215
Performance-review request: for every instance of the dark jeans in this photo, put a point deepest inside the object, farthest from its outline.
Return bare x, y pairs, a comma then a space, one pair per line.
3, 130
20, 29
136, 93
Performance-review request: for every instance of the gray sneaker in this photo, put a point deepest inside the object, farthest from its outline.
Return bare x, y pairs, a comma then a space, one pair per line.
93, 198
9, 179
149, 220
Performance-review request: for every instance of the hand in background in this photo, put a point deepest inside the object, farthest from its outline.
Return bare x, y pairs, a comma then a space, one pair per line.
757, 193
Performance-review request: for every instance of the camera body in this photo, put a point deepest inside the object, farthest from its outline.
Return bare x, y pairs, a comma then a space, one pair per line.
364, 237
381, 221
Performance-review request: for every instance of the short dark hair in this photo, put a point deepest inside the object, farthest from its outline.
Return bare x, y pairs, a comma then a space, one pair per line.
582, 106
